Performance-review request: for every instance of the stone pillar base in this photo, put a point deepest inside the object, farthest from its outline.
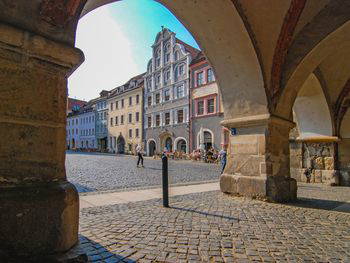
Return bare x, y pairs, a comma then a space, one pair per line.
271, 188
38, 220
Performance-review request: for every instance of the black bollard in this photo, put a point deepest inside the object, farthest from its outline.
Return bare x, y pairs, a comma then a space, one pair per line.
165, 181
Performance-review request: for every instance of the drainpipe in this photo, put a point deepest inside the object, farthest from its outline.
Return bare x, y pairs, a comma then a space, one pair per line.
190, 111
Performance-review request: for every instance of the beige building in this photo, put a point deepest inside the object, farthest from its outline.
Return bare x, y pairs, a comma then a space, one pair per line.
125, 106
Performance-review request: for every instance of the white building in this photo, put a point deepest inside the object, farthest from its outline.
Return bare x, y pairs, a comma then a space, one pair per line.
81, 129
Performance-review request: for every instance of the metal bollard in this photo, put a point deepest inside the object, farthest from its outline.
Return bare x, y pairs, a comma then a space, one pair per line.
165, 180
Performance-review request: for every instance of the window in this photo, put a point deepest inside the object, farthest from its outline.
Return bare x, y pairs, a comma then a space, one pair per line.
76, 131
149, 101
130, 101
157, 80
167, 76
137, 133
200, 78
157, 98
149, 85
93, 118
122, 119
130, 133
137, 116
93, 131
104, 104
176, 55
111, 124
116, 105
89, 131
105, 115
180, 91
167, 57
130, 117
111, 106
76, 121
72, 131
167, 95
122, 103
210, 75
181, 70
167, 118
210, 106
137, 99
116, 120
149, 121
180, 116
200, 107
157, 120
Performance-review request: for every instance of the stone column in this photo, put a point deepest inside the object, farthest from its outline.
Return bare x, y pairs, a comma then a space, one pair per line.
39, 209
258, 159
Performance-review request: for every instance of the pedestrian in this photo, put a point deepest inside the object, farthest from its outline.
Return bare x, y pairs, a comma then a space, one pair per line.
223, 158
139, 155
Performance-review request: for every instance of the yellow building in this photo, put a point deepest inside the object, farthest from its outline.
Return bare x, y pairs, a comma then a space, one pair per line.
125, 105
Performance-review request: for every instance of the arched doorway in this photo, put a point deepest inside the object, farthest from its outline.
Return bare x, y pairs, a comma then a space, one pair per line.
169, 144
151, 148
121, 144
73, 144
208, 140
181, 146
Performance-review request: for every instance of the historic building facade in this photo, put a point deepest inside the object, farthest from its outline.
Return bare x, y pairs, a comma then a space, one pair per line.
80, 129
166, 94
125, 116
206, 109
101, 111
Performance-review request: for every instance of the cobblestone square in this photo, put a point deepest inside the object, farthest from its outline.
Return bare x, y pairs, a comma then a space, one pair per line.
91, 172
214, 227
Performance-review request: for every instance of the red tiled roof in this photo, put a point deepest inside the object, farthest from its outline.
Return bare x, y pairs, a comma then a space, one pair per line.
193, 51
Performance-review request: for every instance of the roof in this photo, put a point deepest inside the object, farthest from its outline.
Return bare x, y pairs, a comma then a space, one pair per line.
193, 51
75, 103
128, 85
199, 58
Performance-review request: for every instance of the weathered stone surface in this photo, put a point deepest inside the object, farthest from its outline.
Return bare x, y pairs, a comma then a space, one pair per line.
44, 217
345, 178
251, 186
329, 163
318, 163
318, 176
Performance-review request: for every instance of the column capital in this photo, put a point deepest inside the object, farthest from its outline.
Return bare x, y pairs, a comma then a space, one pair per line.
256, 120
33, 50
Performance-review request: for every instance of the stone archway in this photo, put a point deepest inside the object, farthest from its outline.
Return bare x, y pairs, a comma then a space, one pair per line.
38, 54
151, 147
180, 144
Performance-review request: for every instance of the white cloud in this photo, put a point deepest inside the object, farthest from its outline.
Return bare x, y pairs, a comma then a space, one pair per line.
108, 56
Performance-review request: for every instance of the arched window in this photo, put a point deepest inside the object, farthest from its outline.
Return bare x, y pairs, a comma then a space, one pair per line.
158, 55
167, 53
176, 55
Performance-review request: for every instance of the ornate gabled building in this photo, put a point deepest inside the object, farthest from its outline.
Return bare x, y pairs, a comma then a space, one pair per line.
166, 96
125, 116
101, 111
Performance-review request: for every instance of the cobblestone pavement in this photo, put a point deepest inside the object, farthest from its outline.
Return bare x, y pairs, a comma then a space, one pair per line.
97, 172
213, 227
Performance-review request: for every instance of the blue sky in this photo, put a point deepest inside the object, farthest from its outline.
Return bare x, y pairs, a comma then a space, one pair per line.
116, 40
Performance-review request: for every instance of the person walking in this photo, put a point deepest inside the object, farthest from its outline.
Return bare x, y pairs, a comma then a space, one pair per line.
223, 158
139, 155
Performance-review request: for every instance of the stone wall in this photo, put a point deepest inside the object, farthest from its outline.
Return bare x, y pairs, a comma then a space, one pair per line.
344, 161
319, 156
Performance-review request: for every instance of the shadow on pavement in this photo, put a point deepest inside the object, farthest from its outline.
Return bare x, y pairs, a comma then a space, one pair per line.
204, 213
317, 203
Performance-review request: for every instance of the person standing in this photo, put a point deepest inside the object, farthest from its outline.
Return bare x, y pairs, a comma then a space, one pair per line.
223, 158
139, 155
